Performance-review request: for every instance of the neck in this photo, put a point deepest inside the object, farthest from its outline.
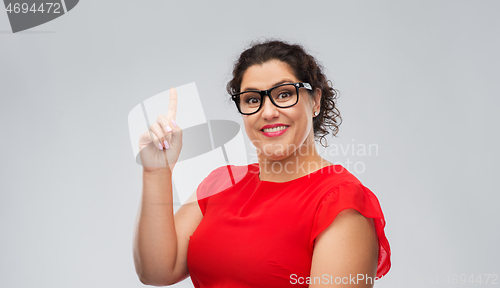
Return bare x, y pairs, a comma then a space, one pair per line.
303, 161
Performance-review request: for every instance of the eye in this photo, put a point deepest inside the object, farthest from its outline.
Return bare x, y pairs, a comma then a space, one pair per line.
284, 95
252, 100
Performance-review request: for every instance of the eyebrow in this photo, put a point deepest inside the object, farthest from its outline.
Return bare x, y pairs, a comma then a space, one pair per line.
275, 84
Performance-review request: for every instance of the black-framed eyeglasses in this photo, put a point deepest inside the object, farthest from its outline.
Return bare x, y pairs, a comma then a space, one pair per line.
282, 96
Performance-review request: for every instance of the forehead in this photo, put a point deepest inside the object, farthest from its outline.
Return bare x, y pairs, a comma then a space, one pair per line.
266, 75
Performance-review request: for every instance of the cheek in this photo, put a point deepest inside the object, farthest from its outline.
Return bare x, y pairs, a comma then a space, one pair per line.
248, 122
302, 125
300, 118
305, 127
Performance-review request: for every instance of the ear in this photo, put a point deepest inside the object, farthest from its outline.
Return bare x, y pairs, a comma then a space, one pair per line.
317, 98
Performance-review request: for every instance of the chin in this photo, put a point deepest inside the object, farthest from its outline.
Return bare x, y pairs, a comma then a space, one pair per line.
276, 152
276, 157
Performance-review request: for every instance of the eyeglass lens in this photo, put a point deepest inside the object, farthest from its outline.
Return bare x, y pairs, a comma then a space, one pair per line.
283, 96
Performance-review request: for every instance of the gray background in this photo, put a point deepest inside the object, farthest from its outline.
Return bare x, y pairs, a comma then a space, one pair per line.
418, 79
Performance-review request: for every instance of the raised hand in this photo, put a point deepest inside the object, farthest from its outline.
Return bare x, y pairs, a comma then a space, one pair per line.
161, 145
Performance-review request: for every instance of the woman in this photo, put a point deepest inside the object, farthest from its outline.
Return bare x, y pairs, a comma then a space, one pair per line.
292, 219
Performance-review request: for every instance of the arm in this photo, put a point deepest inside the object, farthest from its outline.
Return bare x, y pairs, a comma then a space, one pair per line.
160, 238
348, 247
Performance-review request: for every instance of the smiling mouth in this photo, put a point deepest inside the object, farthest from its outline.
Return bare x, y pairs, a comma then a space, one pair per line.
274, 129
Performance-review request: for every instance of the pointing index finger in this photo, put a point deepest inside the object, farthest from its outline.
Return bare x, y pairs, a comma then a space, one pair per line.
172, 104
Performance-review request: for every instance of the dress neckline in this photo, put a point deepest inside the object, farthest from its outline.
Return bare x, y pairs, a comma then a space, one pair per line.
329, 168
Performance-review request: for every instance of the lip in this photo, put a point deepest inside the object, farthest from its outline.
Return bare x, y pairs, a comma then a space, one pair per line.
274, 134
273, 125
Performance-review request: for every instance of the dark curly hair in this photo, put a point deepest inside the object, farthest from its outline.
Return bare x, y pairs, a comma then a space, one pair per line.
305, 68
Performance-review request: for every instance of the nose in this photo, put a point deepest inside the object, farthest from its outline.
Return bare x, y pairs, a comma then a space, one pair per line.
269, 111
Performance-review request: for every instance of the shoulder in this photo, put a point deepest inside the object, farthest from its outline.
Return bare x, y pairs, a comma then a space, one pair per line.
333, 178
222, 178
350, 193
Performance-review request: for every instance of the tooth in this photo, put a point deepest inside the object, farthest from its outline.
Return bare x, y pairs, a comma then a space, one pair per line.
275, 129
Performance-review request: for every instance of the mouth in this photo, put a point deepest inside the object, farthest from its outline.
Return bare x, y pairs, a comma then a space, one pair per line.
274, 131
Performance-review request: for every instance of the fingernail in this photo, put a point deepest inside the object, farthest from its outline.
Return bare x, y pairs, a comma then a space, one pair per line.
166, 144
168, 128
159, 146
173, 122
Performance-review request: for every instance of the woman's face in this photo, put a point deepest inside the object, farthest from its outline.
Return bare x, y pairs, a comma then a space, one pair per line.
297, 119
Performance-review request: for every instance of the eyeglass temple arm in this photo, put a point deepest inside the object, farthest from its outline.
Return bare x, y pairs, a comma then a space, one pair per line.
306, 85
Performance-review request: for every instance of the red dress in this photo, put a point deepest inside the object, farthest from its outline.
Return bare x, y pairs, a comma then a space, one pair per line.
258, 233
